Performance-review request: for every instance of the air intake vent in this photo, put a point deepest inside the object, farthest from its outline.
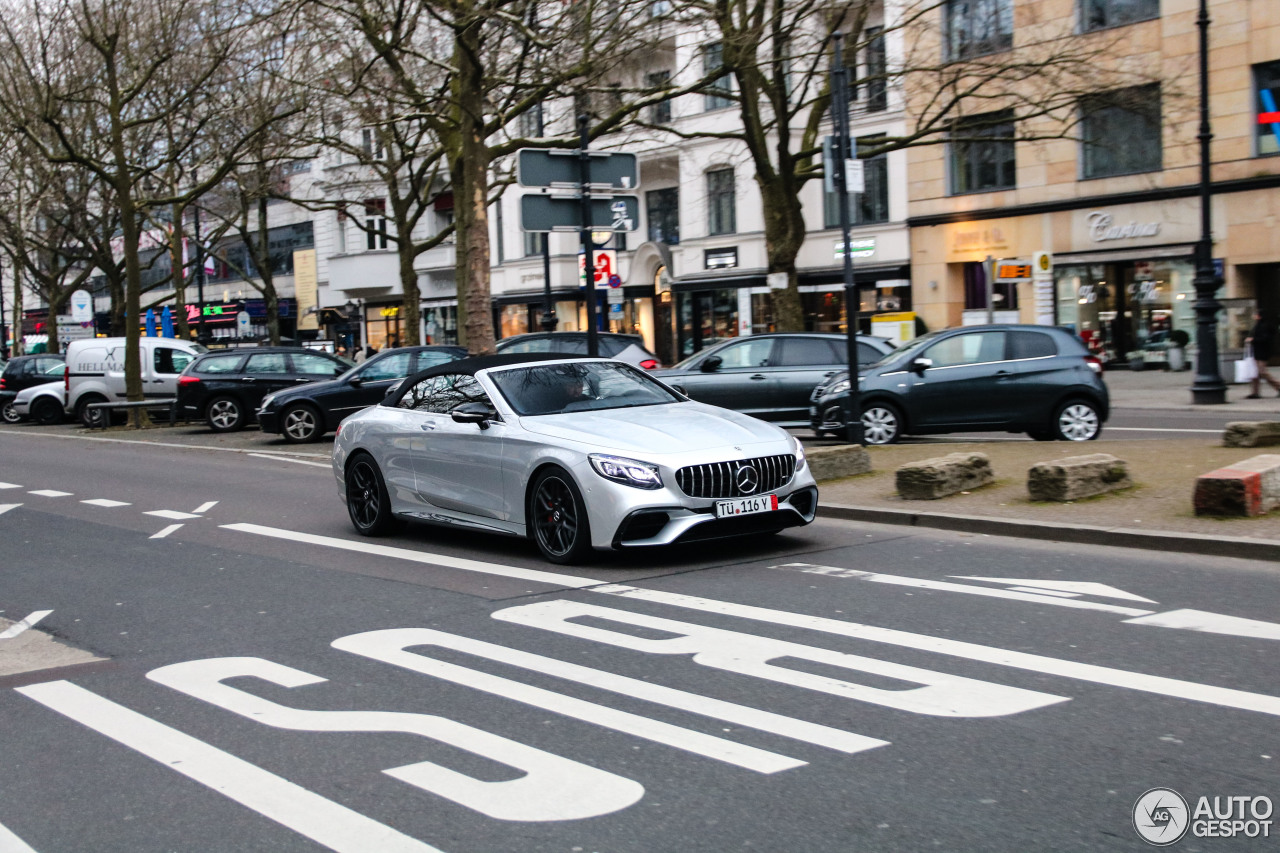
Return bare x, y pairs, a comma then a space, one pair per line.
737, 479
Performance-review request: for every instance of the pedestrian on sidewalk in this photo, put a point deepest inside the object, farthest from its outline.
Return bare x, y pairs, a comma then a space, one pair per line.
1262, 341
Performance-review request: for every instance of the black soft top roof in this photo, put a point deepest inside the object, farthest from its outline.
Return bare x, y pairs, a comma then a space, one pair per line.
470, 366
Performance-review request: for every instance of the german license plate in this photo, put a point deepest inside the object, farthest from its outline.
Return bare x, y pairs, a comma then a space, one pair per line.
746, 506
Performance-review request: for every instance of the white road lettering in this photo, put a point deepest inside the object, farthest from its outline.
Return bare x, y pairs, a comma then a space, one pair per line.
50, 493
104, 502
1093, 673
10, 843
325, 822
390, 646
552, 788
10, 486
1211, 623
1075, 587
18, 627
941, 695
166, 531
171, 514
6, 507
205, 507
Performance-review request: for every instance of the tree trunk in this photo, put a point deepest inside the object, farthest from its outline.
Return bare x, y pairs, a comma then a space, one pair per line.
471, 179
51, 329
410, 307
263, 252
19, 346
783, 237
177, 261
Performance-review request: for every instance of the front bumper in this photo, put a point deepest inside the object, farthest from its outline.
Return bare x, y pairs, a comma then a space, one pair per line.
668, 525
268, 421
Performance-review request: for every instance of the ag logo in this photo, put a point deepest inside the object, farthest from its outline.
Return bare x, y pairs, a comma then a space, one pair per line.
1161, 817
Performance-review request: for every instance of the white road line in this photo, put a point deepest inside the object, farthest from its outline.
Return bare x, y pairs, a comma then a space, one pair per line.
173, 444
171, 514
1161, 429
163, 533
1211, 623
105, 502
947, 586
329, 824
10, 843
10, 486
6, 507
205, 507
17, 628
295, 461
50, 493
1159, 685
1072, 587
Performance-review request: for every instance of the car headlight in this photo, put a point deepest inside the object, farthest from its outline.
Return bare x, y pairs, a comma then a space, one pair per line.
629, 472
267, 401
839, 388
800, 460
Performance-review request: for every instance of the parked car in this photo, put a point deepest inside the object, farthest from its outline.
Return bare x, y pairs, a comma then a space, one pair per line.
769, 376
307, 412
575, 454
628, 348
95, 371
25, 371
1040, 380
43, 404
226, 387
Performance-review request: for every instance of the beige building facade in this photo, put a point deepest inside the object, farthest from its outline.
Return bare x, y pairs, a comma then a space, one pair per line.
1114, 204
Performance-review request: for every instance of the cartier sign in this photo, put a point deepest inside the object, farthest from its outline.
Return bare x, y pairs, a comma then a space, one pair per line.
1102, 228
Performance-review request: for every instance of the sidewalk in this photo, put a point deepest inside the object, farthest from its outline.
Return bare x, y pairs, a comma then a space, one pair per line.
1165, 389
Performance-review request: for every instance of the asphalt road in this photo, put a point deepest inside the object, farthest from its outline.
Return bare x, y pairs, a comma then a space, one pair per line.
263, 679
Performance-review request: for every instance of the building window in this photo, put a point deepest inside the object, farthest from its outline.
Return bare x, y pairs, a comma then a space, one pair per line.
1100, 14
531, 126
1004, 295
342, 232
982, 154
718, 94
1121, 132
877, 67
371, 143
872, 204
662, 208
721, 202
534, 243
978, 27
660, 113
1266, 79
375, 223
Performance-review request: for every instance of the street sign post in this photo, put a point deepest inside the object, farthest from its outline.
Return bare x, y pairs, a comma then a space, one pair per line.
537, 167
564, 213
81, 306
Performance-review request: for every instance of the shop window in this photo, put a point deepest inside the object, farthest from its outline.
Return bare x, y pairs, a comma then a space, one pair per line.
978, 27
982, 154
375, 223
1004, 295
1266, 80
719, 91
1121, 132
721, 202
662, 209
1100, 14
871, 205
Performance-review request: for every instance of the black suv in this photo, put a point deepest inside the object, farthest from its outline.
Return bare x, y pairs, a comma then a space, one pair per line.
307, 413
1040, 380
225, 387
24, 371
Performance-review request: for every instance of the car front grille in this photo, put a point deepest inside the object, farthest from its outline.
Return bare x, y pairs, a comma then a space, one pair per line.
725, 480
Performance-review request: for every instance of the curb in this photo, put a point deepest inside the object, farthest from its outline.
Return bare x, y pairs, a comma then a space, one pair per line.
1117, 537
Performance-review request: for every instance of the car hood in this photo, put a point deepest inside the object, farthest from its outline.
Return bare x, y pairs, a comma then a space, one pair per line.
310, 389
671, 428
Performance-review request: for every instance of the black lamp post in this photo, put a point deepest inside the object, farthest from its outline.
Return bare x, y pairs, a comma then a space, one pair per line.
852, 300
1208, 387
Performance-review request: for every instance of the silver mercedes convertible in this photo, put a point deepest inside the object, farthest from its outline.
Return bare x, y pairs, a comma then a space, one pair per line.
576, 454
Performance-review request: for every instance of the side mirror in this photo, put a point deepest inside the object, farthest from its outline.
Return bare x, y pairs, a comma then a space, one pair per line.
474, 413
679, 389
711, 364
920, 365
355, 381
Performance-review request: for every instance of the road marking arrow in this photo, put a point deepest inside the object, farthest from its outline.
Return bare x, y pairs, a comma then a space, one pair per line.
1211, 623
6, 507
1077, 587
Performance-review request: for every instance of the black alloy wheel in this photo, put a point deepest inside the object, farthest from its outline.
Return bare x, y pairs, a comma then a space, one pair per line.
368, 503
9, 414
558, 518
224, 414
47, 412
300, 424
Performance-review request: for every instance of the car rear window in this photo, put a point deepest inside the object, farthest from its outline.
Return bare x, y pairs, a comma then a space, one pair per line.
1031, 345
267, 362
311, 364
220, 364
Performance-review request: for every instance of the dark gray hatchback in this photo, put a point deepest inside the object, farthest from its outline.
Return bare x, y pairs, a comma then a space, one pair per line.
1040, 380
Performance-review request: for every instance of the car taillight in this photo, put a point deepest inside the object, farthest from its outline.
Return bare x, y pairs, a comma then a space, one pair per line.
184, 381
649, 364
1094, 364
1, 383
66, 381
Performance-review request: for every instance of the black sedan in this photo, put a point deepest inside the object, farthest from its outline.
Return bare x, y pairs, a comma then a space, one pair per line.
306, 413
769, 376
226, 387
24, 371
1040, 380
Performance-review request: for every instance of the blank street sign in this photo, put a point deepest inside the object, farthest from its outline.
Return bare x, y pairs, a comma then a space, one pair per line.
552, 213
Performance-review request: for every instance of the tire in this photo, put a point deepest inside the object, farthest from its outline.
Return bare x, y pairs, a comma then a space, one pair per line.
225, 414
558, 518
881, 424
1076, 420
368, 503
1040, 435
301, 424
87, 417
9, 414
47, 412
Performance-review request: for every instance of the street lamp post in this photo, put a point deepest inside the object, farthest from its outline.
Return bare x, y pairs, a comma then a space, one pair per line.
202, 334
1208, 387
852, 302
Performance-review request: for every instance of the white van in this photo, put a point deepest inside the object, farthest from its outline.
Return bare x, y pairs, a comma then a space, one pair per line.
95, 371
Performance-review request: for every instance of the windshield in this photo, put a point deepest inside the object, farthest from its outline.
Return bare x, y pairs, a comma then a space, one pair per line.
578, 387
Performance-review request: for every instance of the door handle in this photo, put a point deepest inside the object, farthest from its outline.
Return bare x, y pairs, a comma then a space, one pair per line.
828, 374
248, 379
759, 376
428, 425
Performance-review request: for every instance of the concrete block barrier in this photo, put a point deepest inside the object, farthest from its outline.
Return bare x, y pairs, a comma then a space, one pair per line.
1251, 434
834, 463
1247, 488
935, 478
1077, 477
